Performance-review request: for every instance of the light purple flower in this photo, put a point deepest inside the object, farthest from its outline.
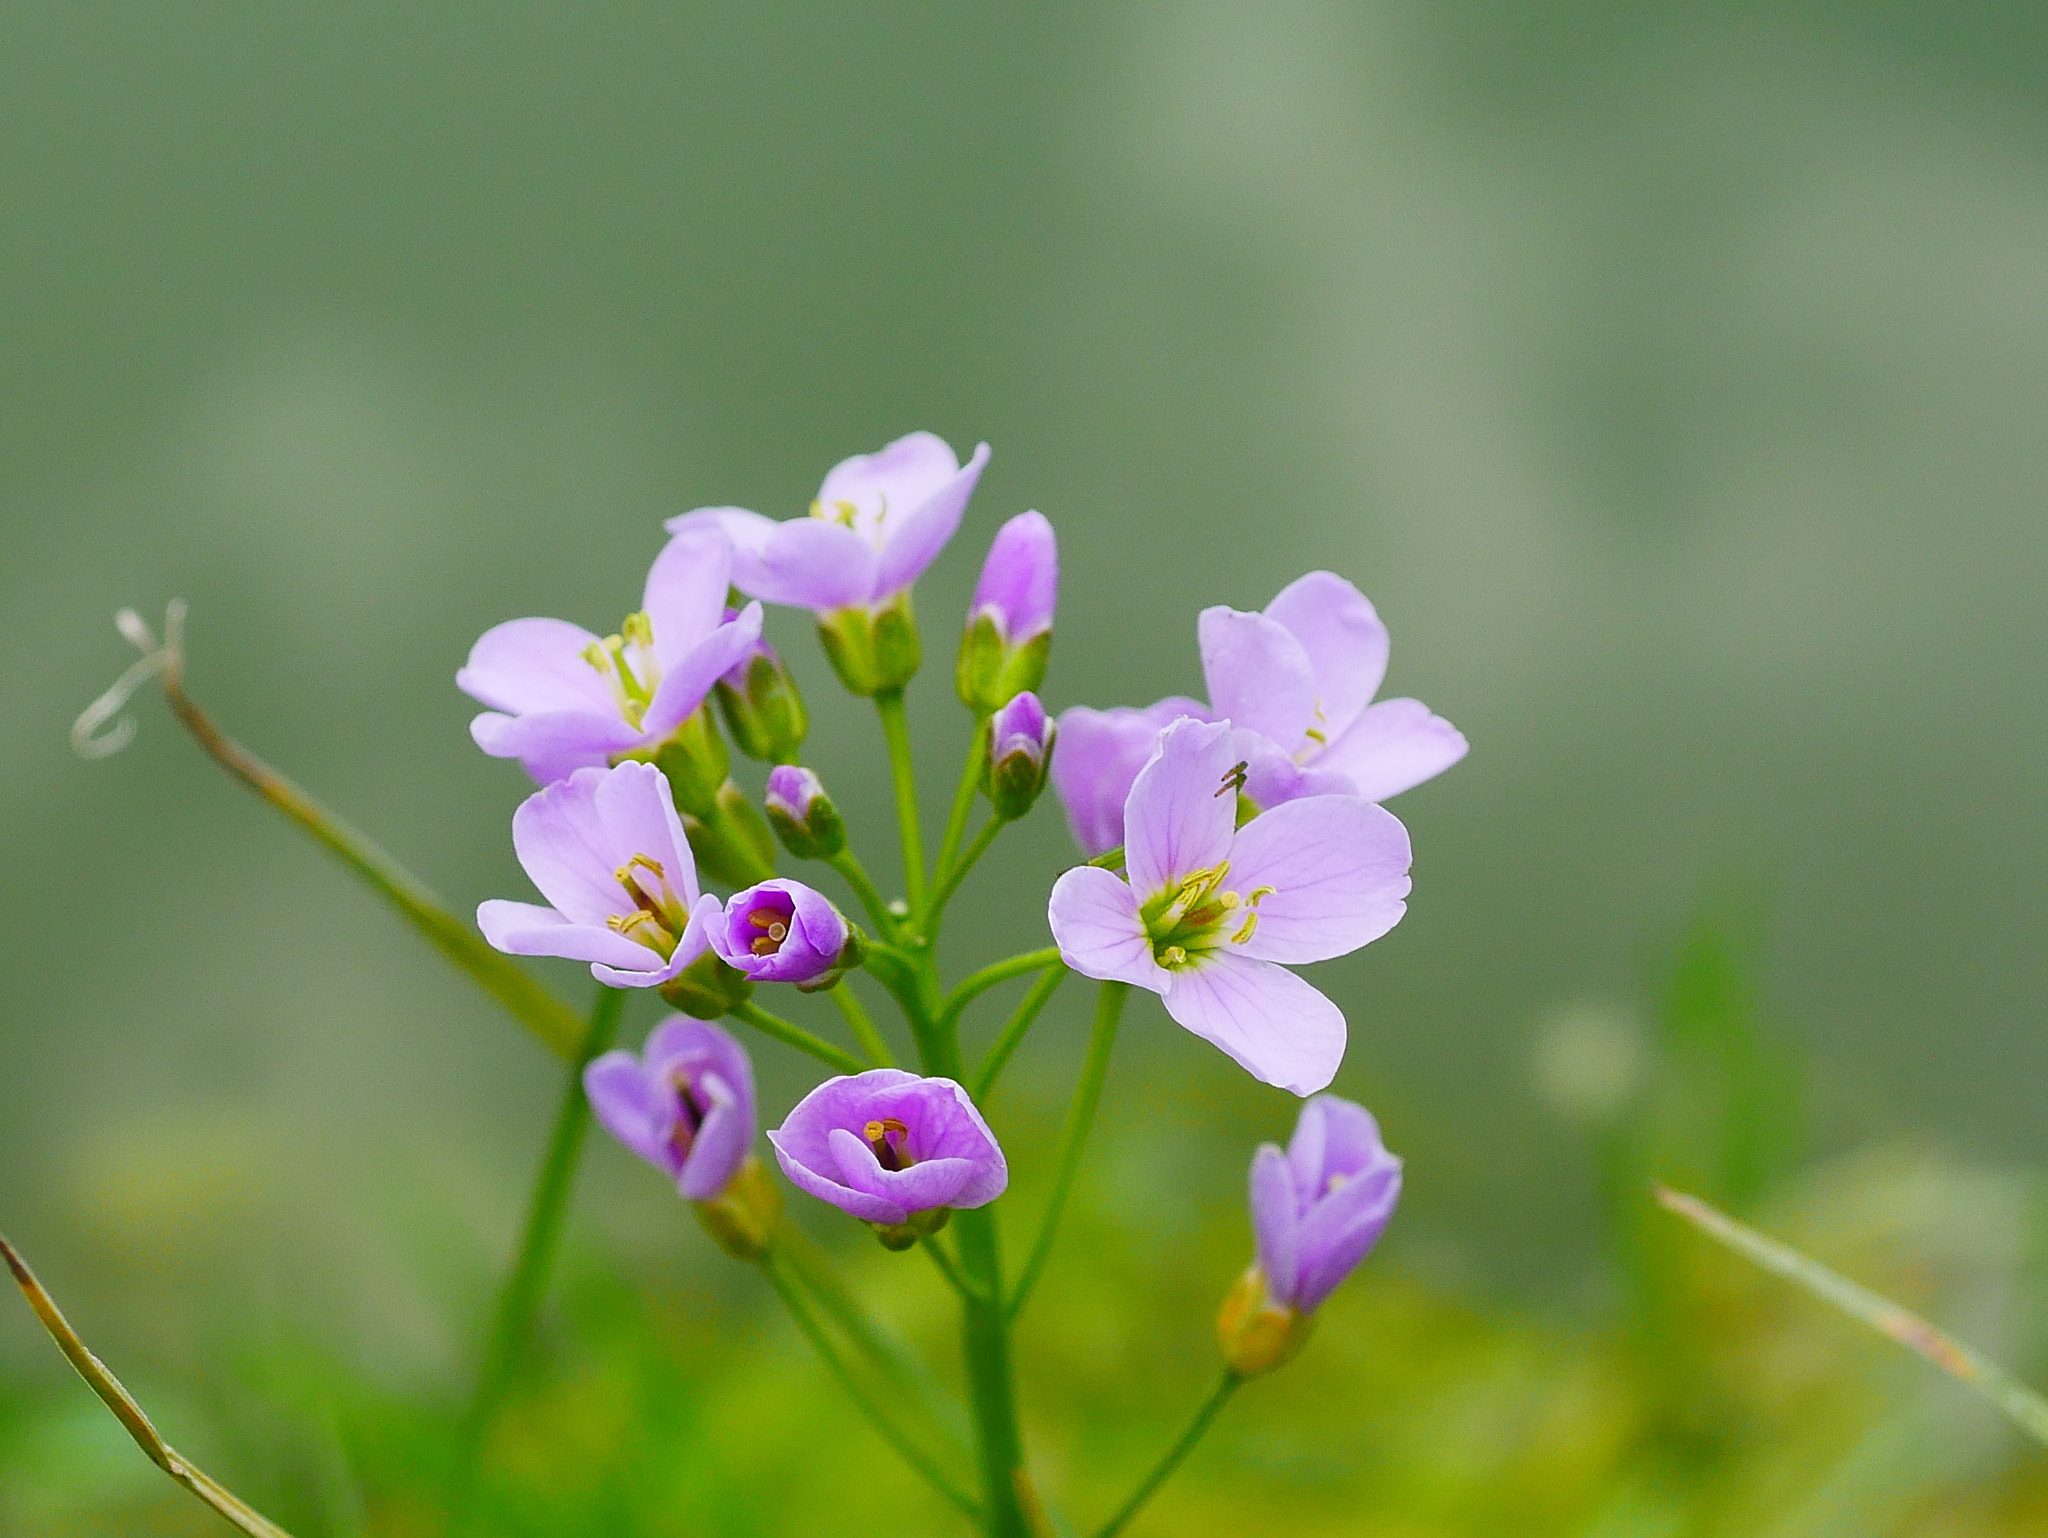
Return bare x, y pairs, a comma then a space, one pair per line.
1303, 675
879, 520
563, 699
886, 1145
685, 1103
606, 848
1020, 580
1320, 1207
1020, 748
1211, 915
792, 789
781, 931
1101, 752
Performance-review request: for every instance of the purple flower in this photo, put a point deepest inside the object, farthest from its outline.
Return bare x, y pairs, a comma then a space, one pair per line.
802, 815
1020, 580
1212, 915
685, 1104
879, 520
888, 1146
1019, 752
563, 699
606, 848
1320, 1207
1302, 674
1101, 752
783, 932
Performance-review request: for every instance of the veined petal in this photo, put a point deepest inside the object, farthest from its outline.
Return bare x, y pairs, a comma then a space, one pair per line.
748, 531
526, 666
689, 679
1345, 642
811, 564
1181, 810
1340, 1229
1259, 675
630, 1108
1095, 923
911, 543
894, 480
1275, 1219
874, 1209
1338, 872
639, 817
1394, 746
686, 588
1334, 1137
721, 1141
522, 929
1276, 1026
555, 744
1101, 752
566, 850
1273, 778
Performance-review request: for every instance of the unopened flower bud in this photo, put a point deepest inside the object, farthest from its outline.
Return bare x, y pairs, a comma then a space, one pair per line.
696, 763
782, 931
1020, 745
1009, 625
872, 650
708, 988
762, 707
802, 815
1256, 1331
732, 844
742, 1216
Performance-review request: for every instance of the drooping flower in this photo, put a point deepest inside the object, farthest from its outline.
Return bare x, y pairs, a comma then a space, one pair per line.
782, 931
1101, 752
1020, 746
607, 850
1009, 625
563, 699
684, 1103
802, 815
1302, 674
1211, 915
879, 520
893, 1149
1317, 1209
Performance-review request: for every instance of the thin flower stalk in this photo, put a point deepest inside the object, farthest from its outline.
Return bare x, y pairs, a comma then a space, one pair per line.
1006, 1045
964, 793
862, 1024
903, 776
975, 984
796, 1036
1175, 1455
950, 877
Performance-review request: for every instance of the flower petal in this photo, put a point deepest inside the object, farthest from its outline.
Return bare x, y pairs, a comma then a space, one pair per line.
1340, 1230
638, 815
1345, 642
872, 1208
1095, 923
1180, 812
526, 666
1275, 1219
636, 1111
1335, 1136
522, 929
1101, 752
1338, 867
722, 1138
811, 564
1259, 675
684, 685
562, 843
748, 531
912, 543
1394, 746
896, 479
1275, 1025
686, 589
554, 745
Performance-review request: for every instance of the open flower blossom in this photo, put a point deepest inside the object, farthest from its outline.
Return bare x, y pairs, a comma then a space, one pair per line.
684, 1103
1319, 1208
1302, 674
890, 1147
879, 520
1101, 752
607, 850
782, 931
563, 699
1211, 914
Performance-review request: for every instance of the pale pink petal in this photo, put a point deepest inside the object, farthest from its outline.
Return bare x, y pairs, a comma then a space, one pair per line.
566, 850
686, 590
1338, 867
1258, 674
748, 531
639, 817
553, 745
1182, 807
1275, 1025
894, 479
1395, 745
686, 683
912, 540
1345, 642
525, 666
1276, 1219
1095, 923
522, 929
812, 564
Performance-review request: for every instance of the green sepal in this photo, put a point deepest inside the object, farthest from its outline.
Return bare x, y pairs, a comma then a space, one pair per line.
708, 988
1014, 782
901, 1236
766, 717
695, 762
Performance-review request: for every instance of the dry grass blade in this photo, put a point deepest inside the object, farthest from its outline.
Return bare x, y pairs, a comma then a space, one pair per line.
127, 1411
2020, 1404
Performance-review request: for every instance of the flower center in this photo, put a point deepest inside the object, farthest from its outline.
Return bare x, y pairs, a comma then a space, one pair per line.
628, 664
691, 1118
1188, 921
852, 515
657, 917
890, 1140
774, 929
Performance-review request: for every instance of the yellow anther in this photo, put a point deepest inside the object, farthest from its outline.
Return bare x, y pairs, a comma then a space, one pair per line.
1229, 900
653, 867
1335, 1183
1173, 956
638, 629
1251, 924
1259, 894
764, 918
1317, 737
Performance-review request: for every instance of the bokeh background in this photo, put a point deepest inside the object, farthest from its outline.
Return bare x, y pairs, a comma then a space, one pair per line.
1672, 377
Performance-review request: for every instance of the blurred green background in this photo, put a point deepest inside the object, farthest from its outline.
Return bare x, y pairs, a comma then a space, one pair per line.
1672, 377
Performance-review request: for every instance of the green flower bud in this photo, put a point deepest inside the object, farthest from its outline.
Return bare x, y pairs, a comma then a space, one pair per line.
802, 815
742, 1217
1257, 1332
763, 709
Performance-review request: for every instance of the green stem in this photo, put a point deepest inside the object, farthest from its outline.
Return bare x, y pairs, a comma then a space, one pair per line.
862, 1026
530, 1002
1174, 1455
1109, 1008
951, 877
947, 1266
903, 773
905, 1374
1013, 1034
855, 874
796, 1036
975, 984
520, 1300
785, 1284
963, 798
993, 1394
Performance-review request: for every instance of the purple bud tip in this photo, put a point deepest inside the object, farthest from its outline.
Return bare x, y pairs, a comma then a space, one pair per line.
1020, 580
791, 790
1020, 727
781, 932
1320, 1207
